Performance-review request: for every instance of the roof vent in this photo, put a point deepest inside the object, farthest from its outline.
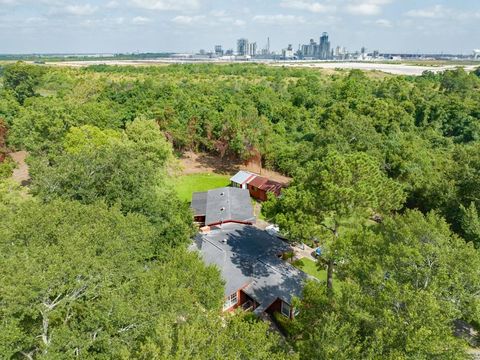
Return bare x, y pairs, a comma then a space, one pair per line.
222, 194
222, 209
224, 240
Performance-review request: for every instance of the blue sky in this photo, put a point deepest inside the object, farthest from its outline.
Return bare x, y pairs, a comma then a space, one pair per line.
189, 25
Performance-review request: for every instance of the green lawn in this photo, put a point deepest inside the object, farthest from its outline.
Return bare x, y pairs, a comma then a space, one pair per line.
310, 267
188, 184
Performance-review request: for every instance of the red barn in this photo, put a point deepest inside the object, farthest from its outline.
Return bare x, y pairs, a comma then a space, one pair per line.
257, 185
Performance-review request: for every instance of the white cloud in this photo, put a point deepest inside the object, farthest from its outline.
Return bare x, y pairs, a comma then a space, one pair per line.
219, 13
188, 20
80, 10
112, 4
384, 23
239, 22
366, 7
140, 20
442, 12
434, 12
182, 5
307, 5
279, 19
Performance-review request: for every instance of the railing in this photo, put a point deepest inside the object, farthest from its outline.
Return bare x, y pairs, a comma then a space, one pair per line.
247, 306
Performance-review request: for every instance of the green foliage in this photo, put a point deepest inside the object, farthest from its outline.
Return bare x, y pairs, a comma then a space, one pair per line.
105, 215
22, 79
78, 280
340, 191
404, 285
285, 325
122, 169
6, 169
470, 224
327, 193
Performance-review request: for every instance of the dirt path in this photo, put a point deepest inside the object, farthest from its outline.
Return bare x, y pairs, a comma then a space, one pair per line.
20, 174
193, 163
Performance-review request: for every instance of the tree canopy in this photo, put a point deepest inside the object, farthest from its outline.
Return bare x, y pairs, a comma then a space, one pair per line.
93, 254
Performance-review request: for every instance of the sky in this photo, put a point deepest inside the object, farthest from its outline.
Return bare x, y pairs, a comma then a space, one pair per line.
113, 26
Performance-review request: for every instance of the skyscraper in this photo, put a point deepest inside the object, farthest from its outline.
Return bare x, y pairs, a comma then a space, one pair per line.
242, 47
324, 51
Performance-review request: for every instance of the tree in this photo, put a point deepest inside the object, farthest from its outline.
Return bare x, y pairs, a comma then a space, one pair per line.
22, 79
404, 282
82, 281
124, 169
470, 224
339, 192
477, 71
3, 140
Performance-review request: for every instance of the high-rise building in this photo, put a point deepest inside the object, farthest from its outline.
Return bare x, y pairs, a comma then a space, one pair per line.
242, 47
316, 50
324, 50
252, 49
218, 50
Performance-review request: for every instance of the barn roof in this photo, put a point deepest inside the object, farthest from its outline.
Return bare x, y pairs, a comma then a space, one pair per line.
272, 186
242, 177
258, 181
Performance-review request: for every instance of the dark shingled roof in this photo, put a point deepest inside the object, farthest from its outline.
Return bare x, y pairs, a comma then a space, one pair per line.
247, 259
199, 203
224, 205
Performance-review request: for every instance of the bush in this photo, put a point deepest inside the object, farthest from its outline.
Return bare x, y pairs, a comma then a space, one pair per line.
286, 325
6, 168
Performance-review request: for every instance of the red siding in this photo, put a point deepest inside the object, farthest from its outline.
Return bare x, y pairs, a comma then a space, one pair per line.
257, 193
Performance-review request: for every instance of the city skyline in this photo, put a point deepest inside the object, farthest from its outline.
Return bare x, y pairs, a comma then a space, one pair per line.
66, 26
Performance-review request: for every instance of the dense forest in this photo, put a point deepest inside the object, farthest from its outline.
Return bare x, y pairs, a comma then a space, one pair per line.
93, 255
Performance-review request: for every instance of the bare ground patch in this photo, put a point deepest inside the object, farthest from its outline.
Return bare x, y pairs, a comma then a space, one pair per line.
193, 163
20, 174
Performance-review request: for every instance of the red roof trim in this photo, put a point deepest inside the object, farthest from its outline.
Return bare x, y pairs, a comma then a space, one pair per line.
250, 178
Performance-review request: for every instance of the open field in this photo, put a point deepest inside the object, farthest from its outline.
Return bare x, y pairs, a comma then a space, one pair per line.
186, 185
396, 68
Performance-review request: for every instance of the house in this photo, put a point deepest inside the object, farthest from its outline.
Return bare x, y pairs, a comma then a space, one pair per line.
249, 260
257, 185
222, 206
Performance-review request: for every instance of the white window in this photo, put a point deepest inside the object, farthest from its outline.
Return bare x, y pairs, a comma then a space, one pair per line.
230, 301
285, 309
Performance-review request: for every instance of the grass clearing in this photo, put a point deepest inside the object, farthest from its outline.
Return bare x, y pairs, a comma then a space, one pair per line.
186, 185
310, 267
